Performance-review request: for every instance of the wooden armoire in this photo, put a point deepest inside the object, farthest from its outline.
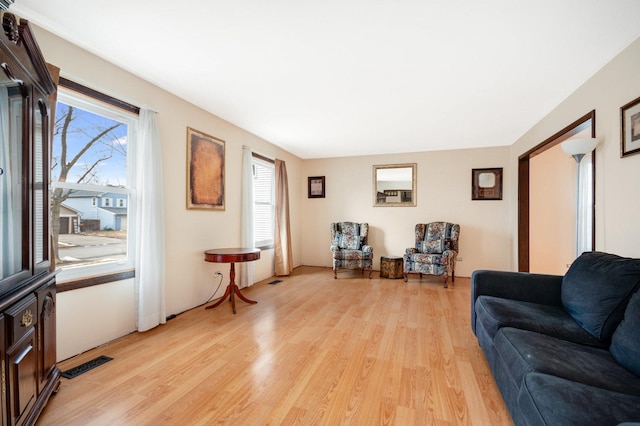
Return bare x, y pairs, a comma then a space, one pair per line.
28, 368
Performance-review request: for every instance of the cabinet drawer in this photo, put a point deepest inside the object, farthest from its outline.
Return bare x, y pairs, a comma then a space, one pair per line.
21, 317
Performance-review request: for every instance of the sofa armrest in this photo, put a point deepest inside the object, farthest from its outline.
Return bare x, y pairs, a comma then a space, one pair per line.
522, 286
449, 256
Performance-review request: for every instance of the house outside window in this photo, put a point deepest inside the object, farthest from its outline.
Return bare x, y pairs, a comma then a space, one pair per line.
264, 198
92, 179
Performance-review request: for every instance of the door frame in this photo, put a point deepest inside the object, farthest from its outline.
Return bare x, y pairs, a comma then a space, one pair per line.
584, 122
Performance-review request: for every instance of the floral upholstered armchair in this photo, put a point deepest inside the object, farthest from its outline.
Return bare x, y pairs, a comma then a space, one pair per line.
349, 247
435, 250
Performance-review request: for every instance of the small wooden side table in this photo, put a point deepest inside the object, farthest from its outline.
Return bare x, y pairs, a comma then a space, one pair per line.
391, 267
231, 255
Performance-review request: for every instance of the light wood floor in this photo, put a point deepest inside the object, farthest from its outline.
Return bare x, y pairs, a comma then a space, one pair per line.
314, 350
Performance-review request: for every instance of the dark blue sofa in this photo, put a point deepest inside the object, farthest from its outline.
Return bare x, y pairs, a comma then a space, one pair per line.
563, 350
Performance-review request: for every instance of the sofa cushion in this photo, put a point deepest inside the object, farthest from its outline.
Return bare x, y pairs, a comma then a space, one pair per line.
349, 242
549, 400
596, 289
625, 343
495, 313
435, 246
522, 352
431, 259
352, 254
438, 230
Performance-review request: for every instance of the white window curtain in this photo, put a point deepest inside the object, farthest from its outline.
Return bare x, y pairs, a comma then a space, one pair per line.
585, 202
283, 257
150, 245
247, 269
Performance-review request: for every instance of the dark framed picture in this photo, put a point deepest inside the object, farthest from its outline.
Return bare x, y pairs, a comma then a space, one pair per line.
205, 171
630, 128
486, 184
316, 187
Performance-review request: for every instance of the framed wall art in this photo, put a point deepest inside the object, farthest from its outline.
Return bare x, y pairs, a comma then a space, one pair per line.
630, 128
316, 187
486, 184
394, 185
205, 171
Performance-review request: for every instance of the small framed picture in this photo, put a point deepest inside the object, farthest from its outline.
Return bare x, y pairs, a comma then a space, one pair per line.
630, 128
486, 184
316, 187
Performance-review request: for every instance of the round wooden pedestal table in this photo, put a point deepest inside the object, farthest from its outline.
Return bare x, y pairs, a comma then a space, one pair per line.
231, 255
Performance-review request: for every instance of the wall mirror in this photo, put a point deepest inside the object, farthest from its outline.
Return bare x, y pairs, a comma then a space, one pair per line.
394, 185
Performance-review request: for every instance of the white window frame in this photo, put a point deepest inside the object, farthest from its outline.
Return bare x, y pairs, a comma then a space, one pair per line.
264, 243
93, 105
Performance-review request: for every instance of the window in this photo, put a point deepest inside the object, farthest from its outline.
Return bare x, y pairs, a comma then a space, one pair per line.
93, 149
264, 198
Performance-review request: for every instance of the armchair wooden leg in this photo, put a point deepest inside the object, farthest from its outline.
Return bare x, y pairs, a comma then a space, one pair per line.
445, 281
405, 277
370, 272
335, 273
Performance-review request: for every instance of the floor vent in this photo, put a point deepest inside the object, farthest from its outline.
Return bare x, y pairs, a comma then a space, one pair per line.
274, 282
83, 368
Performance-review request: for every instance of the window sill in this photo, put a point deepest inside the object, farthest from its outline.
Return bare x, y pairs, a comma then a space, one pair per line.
96, 280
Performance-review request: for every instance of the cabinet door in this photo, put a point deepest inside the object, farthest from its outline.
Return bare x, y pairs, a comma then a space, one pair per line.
14, 244
46, 333
21, 320
40, 184
22, 377
3, 368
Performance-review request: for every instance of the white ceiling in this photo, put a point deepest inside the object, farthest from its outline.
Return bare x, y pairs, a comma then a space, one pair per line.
357, 77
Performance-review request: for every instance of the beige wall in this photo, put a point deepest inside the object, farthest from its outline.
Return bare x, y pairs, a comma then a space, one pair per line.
94, 316
617, 189
443, 194
552, 200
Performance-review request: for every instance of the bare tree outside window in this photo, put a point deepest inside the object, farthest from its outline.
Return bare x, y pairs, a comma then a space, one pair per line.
90, 150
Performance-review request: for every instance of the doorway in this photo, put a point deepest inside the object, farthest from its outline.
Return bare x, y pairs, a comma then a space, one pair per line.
546, 204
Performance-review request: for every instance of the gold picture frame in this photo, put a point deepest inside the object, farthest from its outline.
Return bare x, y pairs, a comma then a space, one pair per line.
395, 185
205, 171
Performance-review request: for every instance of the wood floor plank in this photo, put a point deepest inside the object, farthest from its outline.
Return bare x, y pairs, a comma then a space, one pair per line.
313, 351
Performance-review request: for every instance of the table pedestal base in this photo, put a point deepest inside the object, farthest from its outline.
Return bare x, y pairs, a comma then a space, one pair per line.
231, 291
